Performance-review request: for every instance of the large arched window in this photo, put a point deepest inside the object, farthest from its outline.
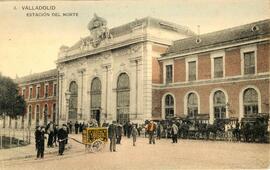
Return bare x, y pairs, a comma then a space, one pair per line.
250, 100
37, 115
73, 100
192, 105
219, 105
123, 93
169, 106
95, 99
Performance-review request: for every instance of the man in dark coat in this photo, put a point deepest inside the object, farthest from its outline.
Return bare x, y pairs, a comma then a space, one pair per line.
125, 128
50, 132
76, 127
40, 137
119, 133
56, 128
129, 128
112, 133
62, 137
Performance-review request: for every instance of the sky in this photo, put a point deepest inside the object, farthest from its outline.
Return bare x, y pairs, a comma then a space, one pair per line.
30, 44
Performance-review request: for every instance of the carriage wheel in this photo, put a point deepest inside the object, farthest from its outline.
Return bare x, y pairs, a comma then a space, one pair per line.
87, 148
97, 146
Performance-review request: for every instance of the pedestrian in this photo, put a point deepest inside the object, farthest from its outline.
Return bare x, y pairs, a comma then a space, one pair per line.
129, 128
125, 128
158, 131
50, 132
62, 137
151, 130
174, 132
112, 136
40, 141
134, 133
76, 127
70, 127
56, 128
139, 130
80, 127
119, 133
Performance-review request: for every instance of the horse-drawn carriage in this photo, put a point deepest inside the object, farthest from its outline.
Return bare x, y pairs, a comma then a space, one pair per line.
94, 139
254, 127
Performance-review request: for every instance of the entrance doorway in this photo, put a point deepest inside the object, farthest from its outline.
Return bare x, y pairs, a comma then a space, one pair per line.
96, 115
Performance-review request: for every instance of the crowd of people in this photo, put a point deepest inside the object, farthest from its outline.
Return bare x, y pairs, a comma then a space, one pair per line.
58, 136
55, 134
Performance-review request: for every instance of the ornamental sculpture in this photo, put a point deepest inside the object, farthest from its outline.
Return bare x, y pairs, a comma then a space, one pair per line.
98, 30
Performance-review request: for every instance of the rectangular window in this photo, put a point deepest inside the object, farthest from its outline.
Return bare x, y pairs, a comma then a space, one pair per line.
38, 92
30, 93
249, 63
218, 67
46, 90
192, 70
54, 89
169, 74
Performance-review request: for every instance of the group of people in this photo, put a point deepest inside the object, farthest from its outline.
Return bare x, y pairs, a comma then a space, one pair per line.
55, 135
115, 131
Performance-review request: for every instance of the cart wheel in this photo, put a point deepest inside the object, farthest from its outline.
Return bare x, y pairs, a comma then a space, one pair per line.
87, 148
97, 146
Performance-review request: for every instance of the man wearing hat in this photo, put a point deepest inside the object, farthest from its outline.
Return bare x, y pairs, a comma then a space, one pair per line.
151, 129
112, 133
62, 137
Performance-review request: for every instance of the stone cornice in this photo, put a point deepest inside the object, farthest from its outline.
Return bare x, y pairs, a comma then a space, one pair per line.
134, 40
236, 79
31, 83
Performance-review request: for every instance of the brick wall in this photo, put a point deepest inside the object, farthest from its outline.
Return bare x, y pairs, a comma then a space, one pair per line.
204, 66
263, 58
232, 62
232, 89
179, 70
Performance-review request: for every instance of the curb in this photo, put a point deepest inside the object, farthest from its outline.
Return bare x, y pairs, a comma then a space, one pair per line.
33, 155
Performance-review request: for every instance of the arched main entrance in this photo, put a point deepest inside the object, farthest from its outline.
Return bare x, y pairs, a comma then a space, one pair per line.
96, 99
123, 99
73, 101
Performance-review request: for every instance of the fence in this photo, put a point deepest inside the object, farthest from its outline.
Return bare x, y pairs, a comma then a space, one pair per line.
11, 137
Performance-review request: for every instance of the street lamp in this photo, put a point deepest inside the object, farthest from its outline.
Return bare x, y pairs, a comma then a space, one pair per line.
67, 94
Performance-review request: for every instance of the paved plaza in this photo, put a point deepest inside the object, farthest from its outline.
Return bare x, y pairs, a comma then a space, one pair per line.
186, 154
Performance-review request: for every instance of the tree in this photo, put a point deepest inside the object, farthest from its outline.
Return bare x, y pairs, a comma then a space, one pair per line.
11, 103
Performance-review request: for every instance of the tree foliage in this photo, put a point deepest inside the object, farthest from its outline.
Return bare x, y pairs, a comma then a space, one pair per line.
11, 103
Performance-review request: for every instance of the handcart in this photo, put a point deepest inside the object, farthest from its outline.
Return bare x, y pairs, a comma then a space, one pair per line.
94, 139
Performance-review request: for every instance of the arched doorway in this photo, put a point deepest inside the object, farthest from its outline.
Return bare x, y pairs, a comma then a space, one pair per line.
96, 99
219, 105
73, 101
123, 98
250, 101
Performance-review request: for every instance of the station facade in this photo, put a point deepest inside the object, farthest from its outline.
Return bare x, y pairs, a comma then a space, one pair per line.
154, 69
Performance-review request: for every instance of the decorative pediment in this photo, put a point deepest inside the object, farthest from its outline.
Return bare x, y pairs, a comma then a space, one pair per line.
98, 30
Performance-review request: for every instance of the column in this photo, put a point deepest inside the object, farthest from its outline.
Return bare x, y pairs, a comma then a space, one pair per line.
81, 110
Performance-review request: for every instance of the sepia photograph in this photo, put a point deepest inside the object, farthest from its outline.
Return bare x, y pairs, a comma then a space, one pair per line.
133, 84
